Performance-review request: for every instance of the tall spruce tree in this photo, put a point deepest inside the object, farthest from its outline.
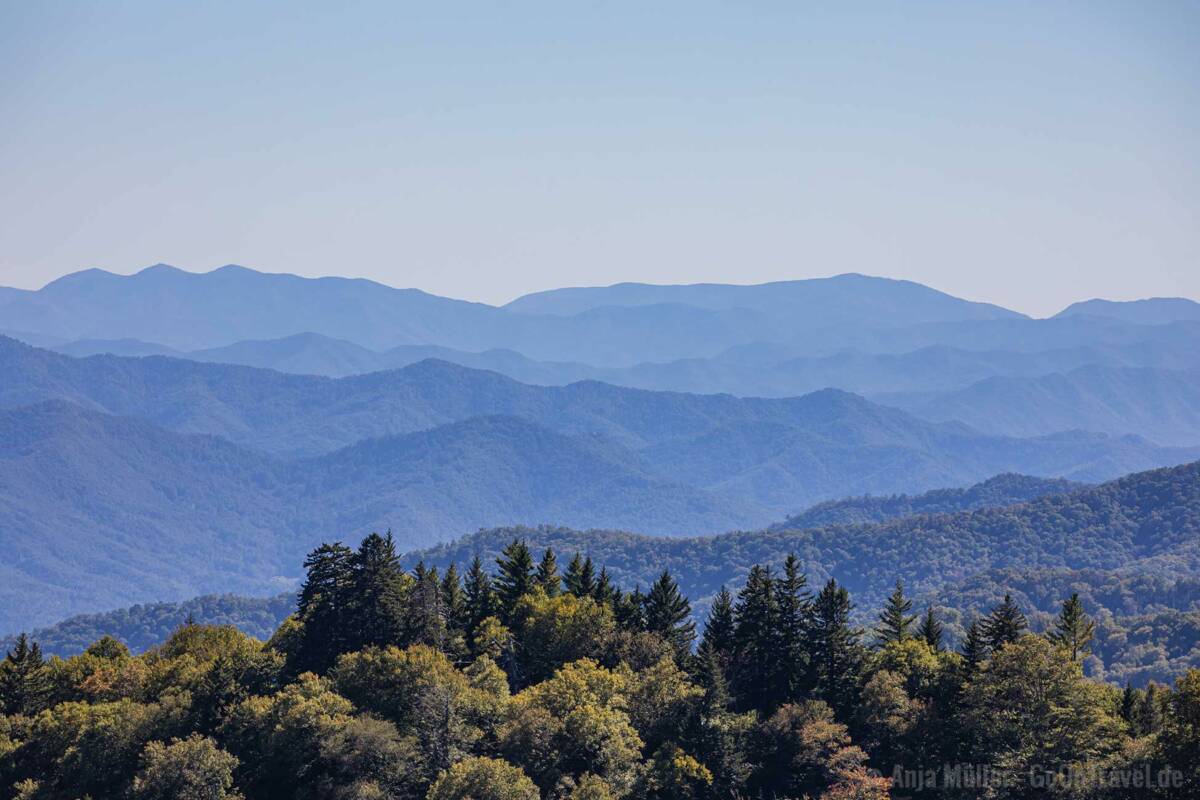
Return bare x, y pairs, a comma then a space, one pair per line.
718, 625
974, 647
1004, 625
380, 588
668, 614
514, 578
24, 680
581, 576
454, 598
630, 611
426, 618
481, 599
895, 623
604, 593
325, 606
756, 640
1073, 630
931, 630
547, 574
836, 649
794, 602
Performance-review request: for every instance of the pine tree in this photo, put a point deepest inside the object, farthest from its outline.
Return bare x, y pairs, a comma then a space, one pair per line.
794, 602
931, 631
756, 631
1150, 712
324, 606
668, 614
425, 621
1004, 625
481, 600
514, 578
1130, 699
1073, 631
547, 574
605, 592
711, 667
380, 588
895, 623
837, 654
581, 576
455, 601
974, 647
630, 611
24, 681
718, 626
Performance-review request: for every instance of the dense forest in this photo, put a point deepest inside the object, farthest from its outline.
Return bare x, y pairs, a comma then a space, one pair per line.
1002, 490
532, 680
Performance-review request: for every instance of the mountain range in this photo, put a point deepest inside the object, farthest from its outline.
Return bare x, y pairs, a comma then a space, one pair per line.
251, 415
153, 457
1141, 525
1110, 367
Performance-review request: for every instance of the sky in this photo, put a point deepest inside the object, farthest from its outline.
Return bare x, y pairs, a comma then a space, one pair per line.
1024, 153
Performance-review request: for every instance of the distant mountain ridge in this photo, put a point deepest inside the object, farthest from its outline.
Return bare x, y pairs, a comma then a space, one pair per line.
1002, 490
1161, 405
99, 511
191, 311
1142, 524
1152, 311
259, 465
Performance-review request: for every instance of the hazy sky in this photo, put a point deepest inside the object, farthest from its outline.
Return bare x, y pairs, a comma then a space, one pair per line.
1028, 154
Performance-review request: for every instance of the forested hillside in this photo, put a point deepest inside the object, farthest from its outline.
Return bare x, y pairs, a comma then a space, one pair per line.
1143, 524
1160, 404
1002, 490
533, 680
141, 627
100, 511
259, 466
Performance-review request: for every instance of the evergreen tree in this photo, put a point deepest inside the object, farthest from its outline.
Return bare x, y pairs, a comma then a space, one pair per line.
1149, 713
24, 681
581, 576
794, 602
756, 630
931, 631
710, 670
547, 574
605, 592
974, 647
514, 578
1130, 699
1073, 630
1004, 625
837, 653
454, 600
630, 611
325, 606
895, 623
668, 614
481, 599
718, 626
380, 587
426, 617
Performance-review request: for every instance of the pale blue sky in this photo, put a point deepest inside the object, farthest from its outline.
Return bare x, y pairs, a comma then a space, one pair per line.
1028, 154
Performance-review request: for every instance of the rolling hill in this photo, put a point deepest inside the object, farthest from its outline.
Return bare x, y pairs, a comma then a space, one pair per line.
1002, 490
1142, 524
1158, 404
616, 327
99, 511
1152, 311
779, 454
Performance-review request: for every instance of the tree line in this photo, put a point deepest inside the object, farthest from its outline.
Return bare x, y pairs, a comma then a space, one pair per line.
528, 679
